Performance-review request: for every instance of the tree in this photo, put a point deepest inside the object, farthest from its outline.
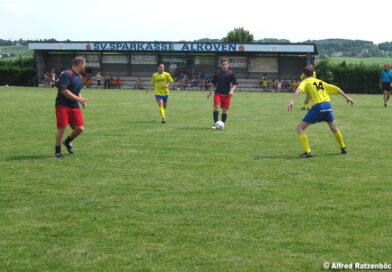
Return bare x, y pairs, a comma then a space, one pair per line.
239, 35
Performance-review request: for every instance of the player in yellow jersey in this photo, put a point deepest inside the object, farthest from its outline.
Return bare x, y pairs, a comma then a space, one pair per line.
162, 82
305, 106
318, 92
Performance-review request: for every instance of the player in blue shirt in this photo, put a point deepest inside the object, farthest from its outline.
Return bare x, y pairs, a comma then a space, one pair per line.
222, 80
385, 83
67, 105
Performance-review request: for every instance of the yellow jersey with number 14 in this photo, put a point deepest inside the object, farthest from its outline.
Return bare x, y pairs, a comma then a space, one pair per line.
317, 90
159, 80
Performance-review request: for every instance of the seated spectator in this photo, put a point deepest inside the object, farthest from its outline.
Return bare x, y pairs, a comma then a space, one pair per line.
118, 82
138, 84
285, 85
89, 82
85, 82
112, 83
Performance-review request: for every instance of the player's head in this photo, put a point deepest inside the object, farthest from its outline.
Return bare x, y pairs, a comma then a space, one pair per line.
386, 66
224, 63
161, 67
308, 70
79, 64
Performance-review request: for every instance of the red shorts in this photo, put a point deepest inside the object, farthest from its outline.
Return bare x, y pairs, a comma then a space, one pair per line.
67, 115
223, 100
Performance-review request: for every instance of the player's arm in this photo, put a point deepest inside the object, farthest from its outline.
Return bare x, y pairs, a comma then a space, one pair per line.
290, 108
70, 95
235, 83
83, 104
212, 86
151, 84
170, 81
348, 99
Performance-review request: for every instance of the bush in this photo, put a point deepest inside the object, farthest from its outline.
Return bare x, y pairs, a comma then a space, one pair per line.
18, 72
351, 78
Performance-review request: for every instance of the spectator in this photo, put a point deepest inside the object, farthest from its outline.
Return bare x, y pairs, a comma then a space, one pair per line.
285, 85
99, 78
279, 86
85, 82
273, 85
89, 82
138, 84
53, 79
112, 83
107, 82
118, 82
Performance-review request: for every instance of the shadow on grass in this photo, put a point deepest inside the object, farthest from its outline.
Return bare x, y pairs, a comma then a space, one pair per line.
29, 157
277, 157
260, 157
140, 122
203, 128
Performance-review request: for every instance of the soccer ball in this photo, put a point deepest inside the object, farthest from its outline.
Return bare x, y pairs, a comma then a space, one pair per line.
219, 125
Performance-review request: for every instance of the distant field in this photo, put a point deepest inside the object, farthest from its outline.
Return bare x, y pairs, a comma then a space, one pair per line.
138, 195
18, 51
367, 61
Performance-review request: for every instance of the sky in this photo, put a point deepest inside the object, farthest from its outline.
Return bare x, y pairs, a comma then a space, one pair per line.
150, 20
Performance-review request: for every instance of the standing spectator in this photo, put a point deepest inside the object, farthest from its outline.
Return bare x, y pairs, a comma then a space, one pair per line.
206, 81
279, 86
385, 83
53, 79
118, 82
99, 78
107, 82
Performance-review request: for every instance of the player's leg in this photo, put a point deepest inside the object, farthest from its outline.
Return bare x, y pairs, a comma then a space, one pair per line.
215, 114
303, 138
62, 121
161, 108
338, 136
59, 140
385, 98
226, 99
77, 124
224, 114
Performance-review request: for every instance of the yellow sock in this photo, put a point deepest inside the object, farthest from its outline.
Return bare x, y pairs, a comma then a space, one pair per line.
339, 138
162, 111
303, 138
304, 106
307, 106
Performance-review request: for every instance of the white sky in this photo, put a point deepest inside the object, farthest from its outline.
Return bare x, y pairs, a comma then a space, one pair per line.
150, 20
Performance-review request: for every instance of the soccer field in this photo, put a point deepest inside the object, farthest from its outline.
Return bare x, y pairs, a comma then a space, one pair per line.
139, 195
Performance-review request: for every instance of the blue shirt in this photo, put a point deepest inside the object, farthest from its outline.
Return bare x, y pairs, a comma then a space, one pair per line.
72, 81
222, 81
386, 77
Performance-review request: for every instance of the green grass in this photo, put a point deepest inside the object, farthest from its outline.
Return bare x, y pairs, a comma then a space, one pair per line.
19, 51
366, 61
141, 196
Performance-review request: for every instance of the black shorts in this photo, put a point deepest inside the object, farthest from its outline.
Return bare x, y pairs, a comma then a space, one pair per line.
386, 86
99, 82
